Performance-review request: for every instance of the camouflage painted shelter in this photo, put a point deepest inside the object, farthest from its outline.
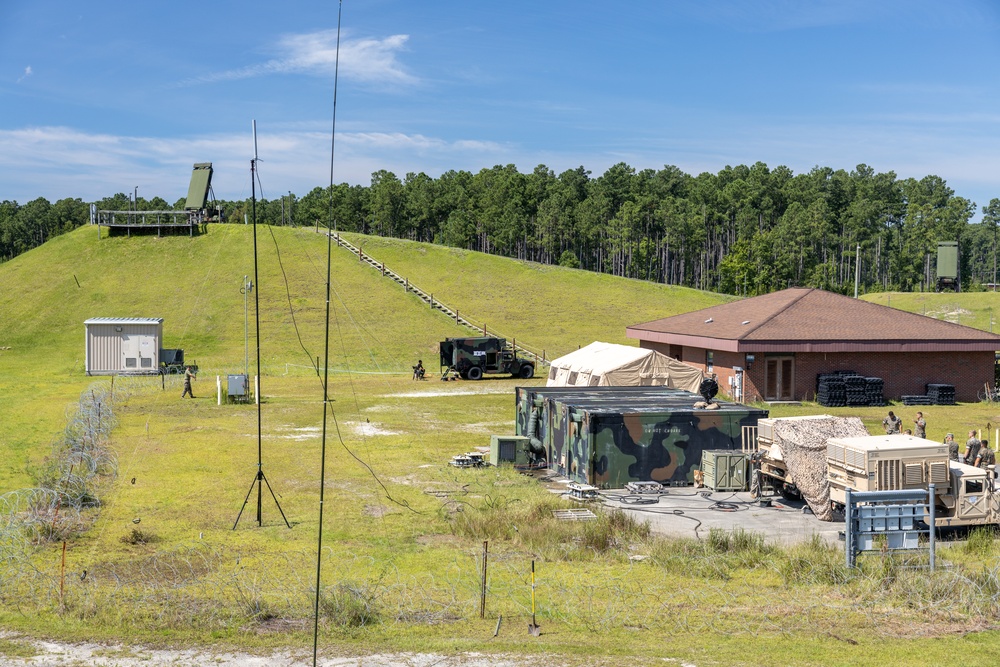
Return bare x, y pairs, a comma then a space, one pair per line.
607, 364
608, 436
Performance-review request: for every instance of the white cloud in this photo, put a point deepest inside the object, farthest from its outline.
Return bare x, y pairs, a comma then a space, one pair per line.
369, 60
27, 73
58, 162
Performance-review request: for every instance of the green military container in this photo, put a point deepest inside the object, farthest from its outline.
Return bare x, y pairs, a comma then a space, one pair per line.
508, 449
947, 266
724, 470
609, 436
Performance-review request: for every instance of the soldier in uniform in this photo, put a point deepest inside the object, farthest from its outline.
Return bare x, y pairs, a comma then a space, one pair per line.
188, 376
892, 423
418, 370
921, 426
985, 457
971, 448
952, 447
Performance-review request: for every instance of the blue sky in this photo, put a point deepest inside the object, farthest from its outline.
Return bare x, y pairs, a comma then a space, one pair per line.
98, 98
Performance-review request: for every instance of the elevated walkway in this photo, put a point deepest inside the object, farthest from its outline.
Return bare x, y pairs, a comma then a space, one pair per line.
146, 221
538, 356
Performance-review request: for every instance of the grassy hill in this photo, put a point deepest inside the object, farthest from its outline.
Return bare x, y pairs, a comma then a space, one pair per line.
194, 285
402, 530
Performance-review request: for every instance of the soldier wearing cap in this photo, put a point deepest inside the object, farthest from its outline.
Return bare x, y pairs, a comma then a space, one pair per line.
920, 429
952, 446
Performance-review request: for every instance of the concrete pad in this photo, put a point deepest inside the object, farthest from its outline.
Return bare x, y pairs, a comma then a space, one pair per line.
691, 512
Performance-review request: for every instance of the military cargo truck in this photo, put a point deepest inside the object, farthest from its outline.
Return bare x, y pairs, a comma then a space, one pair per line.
964, 495
472, 357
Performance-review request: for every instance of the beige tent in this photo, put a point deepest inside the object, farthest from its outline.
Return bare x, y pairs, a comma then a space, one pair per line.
607, 364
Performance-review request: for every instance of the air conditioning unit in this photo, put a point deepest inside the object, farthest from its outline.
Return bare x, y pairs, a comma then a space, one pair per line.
508, 449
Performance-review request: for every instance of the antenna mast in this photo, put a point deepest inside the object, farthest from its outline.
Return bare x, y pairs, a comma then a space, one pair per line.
260, 480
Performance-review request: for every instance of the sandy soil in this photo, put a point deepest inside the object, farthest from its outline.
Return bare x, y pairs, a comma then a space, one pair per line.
52, 654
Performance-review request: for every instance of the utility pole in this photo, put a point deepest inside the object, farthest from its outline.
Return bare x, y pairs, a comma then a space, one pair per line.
857, 270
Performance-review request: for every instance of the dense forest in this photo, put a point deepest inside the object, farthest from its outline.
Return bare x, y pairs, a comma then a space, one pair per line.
746, 230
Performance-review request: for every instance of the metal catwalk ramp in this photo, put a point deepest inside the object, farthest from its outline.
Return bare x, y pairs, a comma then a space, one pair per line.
538, 356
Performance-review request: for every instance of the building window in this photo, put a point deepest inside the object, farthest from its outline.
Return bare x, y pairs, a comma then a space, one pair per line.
676, 351
709, 356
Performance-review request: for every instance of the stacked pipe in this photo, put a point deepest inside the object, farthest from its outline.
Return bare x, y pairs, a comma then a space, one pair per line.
844, 388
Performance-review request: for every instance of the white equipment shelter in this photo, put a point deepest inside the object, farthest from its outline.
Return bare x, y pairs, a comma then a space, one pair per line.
123, 345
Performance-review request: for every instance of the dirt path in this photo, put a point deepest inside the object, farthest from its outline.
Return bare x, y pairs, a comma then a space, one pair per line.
19, 651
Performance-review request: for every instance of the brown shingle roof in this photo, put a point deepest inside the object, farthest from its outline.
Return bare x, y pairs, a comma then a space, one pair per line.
811, 320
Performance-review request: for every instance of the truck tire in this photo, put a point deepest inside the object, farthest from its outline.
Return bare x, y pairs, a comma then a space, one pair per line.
526, 372
475, 373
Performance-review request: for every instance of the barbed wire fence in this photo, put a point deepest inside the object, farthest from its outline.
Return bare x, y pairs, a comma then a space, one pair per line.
73, 477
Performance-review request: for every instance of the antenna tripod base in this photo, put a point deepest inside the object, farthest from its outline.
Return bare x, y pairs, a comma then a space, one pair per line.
260, 481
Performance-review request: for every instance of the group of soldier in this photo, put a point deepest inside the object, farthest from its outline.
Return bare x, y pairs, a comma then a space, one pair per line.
977, 451
893, 424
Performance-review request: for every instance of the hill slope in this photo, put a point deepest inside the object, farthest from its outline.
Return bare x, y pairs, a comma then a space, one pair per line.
194, 285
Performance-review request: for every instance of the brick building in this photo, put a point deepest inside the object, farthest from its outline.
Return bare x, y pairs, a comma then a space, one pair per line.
772, 347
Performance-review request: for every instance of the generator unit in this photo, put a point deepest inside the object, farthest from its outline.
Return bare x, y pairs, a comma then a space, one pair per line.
724, 470
508, 449
885, 463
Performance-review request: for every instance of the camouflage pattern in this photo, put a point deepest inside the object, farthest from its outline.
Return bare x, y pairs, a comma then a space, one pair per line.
488, 354
608, 436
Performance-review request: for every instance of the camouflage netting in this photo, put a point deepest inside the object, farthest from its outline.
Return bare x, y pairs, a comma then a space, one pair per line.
803, 448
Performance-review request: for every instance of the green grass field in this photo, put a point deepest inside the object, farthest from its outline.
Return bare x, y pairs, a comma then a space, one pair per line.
161, 563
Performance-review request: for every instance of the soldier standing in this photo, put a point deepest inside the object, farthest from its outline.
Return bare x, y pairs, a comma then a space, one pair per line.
952, 446
188, 376
921, 426
892, 423
971, 448
985, 457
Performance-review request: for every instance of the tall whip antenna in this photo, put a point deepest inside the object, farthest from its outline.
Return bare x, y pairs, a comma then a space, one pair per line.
326, 350
259, 480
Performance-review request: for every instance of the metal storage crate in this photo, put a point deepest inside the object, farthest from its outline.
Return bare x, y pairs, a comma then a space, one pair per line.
724, 470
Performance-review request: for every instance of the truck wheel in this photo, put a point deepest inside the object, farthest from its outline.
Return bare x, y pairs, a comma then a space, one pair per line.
475, 373
527, 372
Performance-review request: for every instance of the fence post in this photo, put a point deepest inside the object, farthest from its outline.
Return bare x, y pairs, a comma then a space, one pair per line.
482, 598
930, 504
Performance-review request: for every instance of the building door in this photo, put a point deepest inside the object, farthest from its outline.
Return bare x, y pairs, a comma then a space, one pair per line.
130, 352
779, 383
